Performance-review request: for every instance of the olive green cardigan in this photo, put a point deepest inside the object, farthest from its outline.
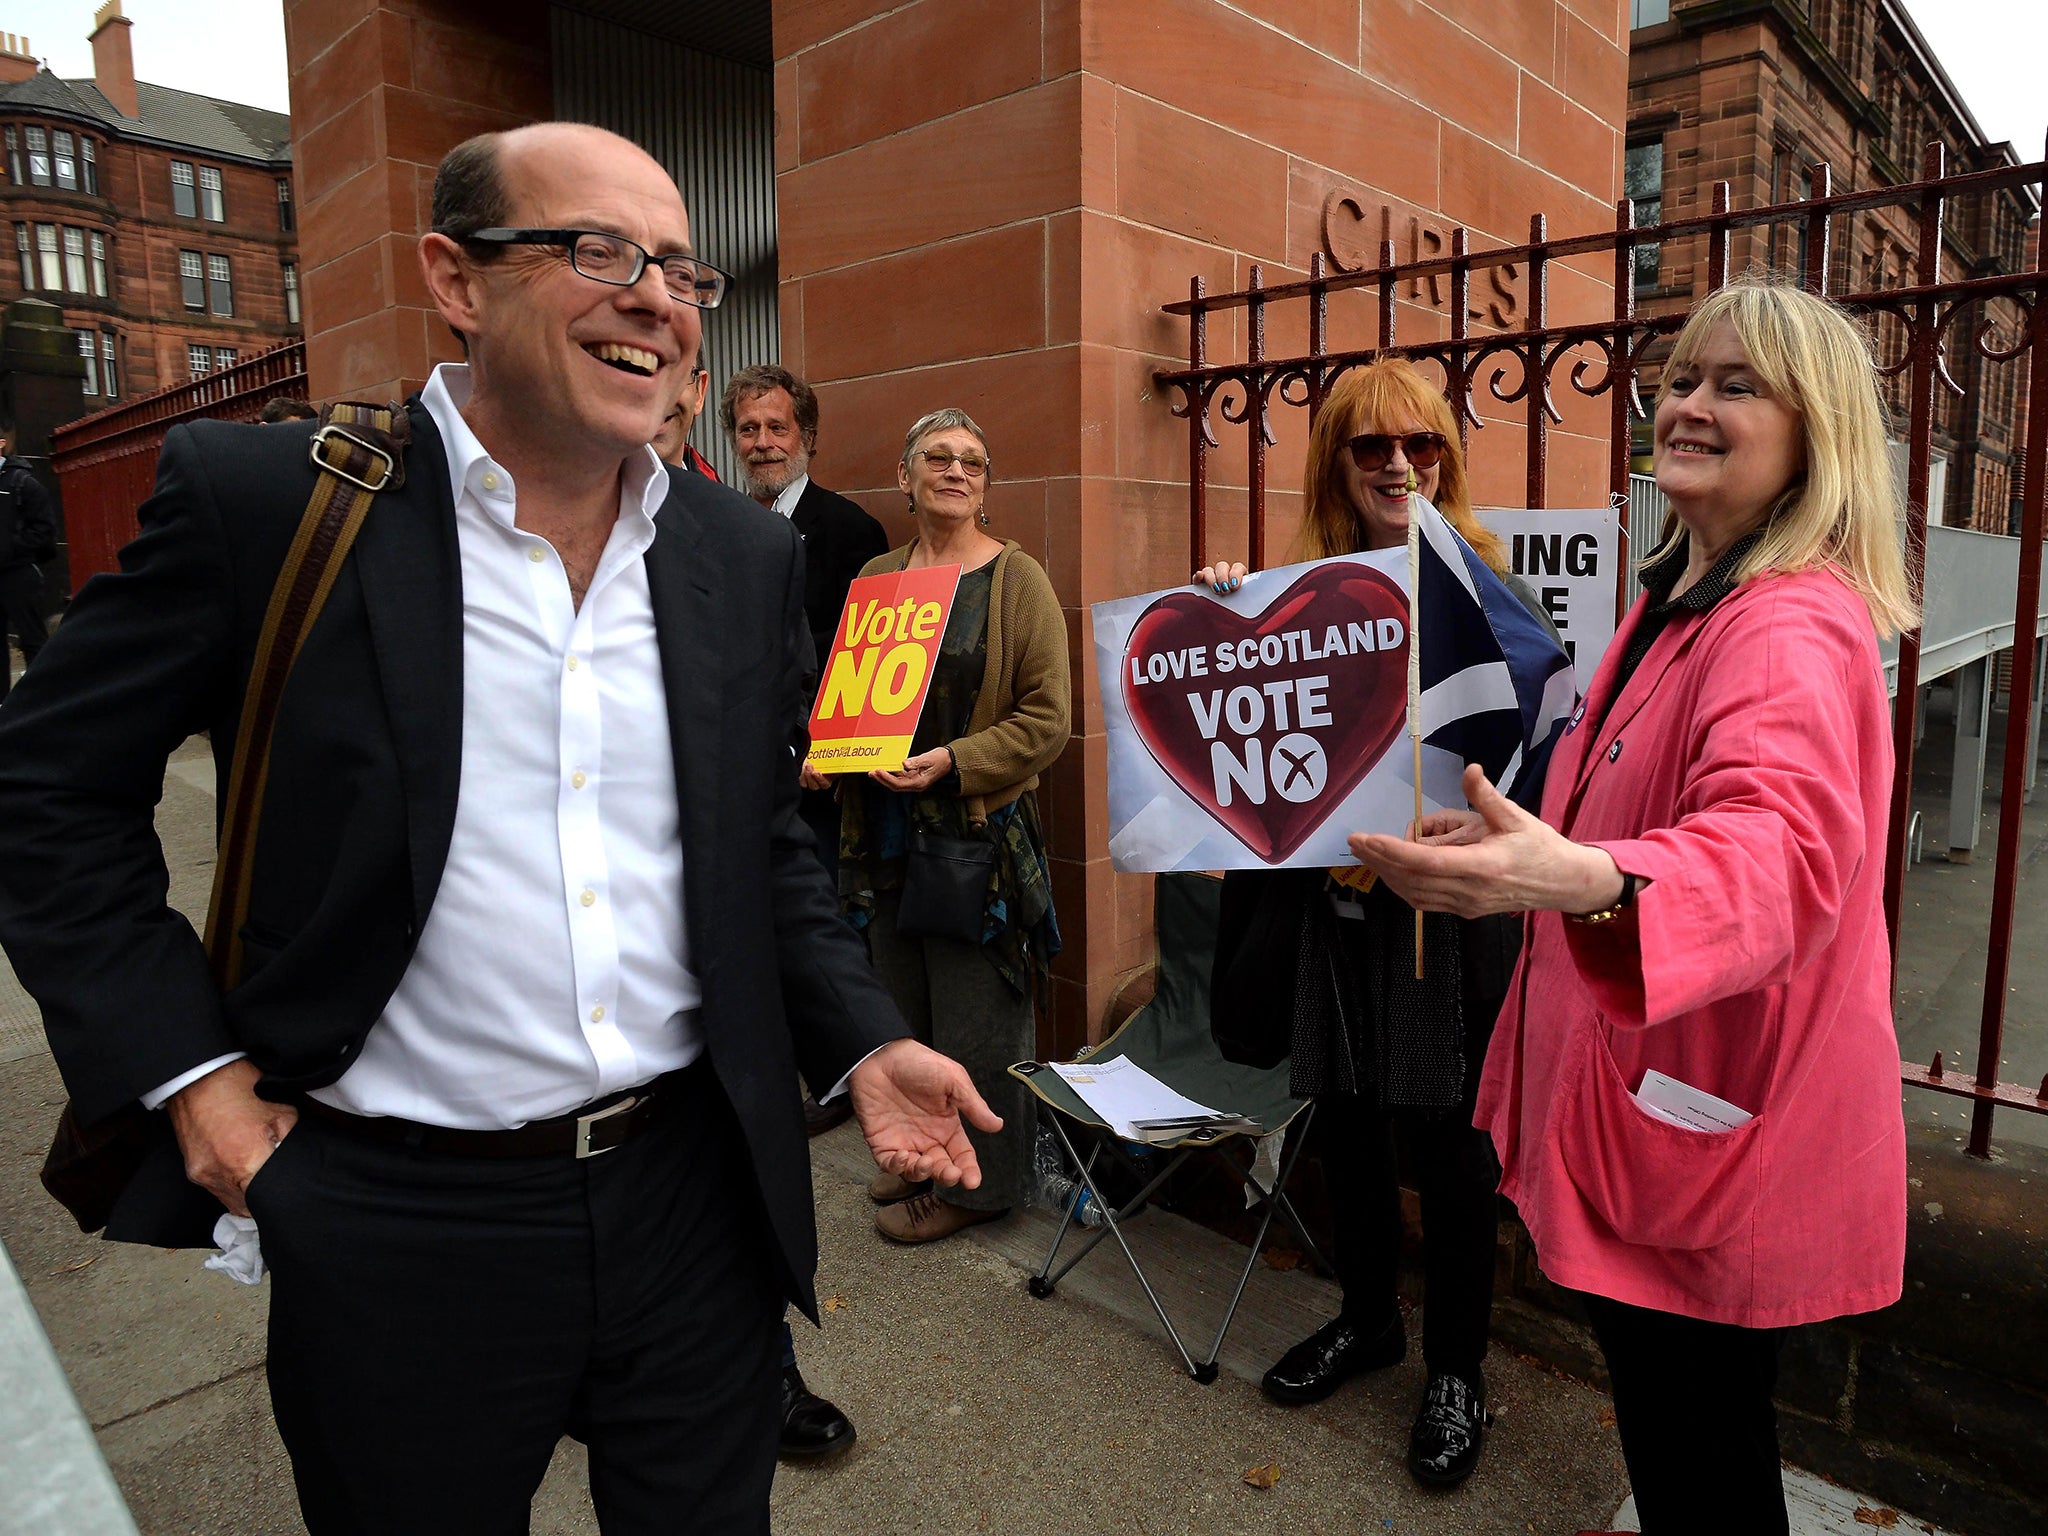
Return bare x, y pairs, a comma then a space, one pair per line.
1023, 714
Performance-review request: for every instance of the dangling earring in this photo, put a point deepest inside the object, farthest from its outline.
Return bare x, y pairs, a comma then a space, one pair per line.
984, 517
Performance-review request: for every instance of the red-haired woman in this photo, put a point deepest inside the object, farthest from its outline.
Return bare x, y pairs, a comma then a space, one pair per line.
1388, 1057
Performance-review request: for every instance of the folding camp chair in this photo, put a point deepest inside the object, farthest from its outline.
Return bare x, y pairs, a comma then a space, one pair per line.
1169, 1037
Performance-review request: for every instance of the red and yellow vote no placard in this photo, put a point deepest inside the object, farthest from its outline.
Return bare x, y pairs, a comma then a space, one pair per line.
880, 669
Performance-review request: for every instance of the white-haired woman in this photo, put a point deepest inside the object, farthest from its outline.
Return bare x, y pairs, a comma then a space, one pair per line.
943, 863
1706, 889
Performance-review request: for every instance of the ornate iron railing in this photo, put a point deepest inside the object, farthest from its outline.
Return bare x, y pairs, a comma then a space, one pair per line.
1916, 325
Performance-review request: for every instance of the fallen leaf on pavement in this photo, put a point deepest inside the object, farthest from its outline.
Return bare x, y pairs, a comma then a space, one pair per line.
1263, 1477
72, 1269
1885, 1518
833, 1304
1607, 1418
1283, 1259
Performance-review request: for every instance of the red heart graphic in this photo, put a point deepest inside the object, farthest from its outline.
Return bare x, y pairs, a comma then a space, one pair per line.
1265, 756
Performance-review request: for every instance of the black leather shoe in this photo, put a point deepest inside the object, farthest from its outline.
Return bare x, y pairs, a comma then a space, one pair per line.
1330, 1356
820, 1118
811, 1427
1444, 1446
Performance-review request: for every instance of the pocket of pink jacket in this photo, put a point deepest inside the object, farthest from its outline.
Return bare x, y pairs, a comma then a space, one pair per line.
1655, 1184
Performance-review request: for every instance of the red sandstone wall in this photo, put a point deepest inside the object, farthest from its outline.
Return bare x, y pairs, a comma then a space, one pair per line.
380, 90
985, 202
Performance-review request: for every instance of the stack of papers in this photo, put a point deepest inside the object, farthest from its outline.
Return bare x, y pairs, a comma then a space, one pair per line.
1176, 1127
1139, 1107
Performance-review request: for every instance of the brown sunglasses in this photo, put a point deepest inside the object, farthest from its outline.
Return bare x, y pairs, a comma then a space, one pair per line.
1374, 451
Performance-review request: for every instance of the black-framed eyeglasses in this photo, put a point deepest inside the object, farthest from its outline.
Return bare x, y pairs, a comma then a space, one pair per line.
1374, 451
941, 460
613, 259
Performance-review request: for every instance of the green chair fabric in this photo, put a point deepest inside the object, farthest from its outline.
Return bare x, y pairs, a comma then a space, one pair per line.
1169, 1036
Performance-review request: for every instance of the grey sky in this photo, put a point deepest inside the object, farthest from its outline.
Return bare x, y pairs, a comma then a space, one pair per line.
1993, 50
233, 49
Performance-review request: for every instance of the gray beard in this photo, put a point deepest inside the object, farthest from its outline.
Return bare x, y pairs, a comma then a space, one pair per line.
786, 474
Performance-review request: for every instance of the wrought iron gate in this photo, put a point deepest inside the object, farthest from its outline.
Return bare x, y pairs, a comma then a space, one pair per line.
1917, 325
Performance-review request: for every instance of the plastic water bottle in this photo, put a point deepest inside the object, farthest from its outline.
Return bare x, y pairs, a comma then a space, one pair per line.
1075, 1197
1058, 1192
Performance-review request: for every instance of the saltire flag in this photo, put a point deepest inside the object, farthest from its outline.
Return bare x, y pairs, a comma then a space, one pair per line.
1497, 687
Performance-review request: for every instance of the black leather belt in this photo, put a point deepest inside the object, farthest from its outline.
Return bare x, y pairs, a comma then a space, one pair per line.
603, 1125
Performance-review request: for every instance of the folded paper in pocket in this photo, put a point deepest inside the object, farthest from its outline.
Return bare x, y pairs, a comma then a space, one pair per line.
1682, 1104
1654, 1180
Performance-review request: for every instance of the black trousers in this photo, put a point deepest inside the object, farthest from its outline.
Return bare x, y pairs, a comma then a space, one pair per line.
820, 811
438, 1323
1456, 1176
21, 613
1693, 1404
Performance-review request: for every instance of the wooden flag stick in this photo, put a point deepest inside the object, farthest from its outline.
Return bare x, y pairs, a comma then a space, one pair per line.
1415, 677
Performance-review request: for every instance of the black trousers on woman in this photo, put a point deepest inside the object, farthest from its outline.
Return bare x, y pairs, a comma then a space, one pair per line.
1699, 1429
1456, 1176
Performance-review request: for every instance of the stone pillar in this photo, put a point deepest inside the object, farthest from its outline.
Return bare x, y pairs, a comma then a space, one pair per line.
998, 229
42, 386
1973, 731
380, 90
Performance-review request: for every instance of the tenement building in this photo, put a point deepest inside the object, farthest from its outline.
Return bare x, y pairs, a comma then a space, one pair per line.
1756, 93
161, 220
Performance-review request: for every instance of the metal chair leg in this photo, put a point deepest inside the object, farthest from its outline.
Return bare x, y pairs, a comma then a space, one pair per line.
1109, 1213
1272, 1201
1041, 1284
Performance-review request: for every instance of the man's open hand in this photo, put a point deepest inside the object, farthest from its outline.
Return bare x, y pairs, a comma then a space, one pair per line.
226, 1132
910, 1101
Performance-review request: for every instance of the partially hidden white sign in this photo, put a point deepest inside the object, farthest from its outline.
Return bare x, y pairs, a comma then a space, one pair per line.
1571, 559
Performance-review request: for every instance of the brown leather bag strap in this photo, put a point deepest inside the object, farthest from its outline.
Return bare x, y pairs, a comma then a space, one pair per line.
359, 450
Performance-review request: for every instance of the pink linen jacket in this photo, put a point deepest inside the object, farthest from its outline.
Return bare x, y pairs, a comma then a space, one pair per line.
1745, 770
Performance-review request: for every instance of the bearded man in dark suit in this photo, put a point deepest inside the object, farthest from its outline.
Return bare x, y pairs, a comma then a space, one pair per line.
771, 417
530, 885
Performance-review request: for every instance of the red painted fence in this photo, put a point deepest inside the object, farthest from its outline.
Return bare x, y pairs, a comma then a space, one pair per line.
106, 462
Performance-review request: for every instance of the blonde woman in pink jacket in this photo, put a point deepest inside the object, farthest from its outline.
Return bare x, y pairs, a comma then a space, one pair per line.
1705, 891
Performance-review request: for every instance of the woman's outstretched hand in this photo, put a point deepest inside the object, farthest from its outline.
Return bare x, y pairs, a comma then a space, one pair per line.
918, 773
1495, 857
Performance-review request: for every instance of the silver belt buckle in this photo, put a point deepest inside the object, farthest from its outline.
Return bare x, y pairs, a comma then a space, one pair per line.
585, 1122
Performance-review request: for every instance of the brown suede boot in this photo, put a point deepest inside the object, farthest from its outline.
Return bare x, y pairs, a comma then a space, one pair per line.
887, 1188
926, 1218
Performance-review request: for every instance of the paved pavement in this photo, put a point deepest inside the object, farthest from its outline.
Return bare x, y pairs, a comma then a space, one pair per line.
978, 1407
1944, 924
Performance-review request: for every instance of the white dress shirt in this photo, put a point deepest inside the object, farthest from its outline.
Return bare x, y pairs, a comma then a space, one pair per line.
792, 493
554, 966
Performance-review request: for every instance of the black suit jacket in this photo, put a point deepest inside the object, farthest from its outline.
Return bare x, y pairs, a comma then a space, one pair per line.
839, 538
360, 803
28, 526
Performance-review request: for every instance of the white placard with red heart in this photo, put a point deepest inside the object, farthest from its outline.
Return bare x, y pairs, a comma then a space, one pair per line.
1259, 730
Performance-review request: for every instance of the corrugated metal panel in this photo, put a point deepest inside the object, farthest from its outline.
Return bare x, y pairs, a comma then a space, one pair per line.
712, 123
731, 29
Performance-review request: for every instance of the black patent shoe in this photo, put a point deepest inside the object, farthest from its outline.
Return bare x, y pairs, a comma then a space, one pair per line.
1444, 1446
811, 1427
1332, 1355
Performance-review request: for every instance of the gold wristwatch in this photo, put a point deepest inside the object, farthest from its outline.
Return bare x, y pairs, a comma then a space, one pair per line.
1622, 903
